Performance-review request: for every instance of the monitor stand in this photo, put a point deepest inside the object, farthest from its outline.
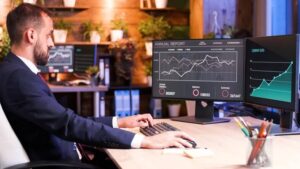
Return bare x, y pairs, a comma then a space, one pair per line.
286, 125
204, 114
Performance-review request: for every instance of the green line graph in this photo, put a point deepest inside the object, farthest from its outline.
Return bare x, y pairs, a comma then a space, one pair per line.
278, 89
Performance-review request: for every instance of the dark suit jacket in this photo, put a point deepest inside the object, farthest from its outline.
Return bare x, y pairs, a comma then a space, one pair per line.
46, 129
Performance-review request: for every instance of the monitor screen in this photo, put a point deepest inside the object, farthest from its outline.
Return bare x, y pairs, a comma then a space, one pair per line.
60, 60
211, 70
84, 56
271, 77
270, 73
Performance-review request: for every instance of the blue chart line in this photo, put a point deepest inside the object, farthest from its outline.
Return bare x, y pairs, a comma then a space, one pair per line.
279, 88
199, 66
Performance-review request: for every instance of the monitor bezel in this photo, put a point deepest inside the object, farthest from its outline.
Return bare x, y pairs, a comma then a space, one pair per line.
293, 106
206, 99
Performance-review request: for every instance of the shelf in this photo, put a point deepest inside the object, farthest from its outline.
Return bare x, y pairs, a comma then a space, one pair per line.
163, 9
65, 9
84, 43
158, 9
130, 87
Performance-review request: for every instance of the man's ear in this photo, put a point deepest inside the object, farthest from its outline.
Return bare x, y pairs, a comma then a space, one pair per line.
31, 36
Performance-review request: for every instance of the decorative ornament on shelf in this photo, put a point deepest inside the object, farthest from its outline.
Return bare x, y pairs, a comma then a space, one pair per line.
217, 32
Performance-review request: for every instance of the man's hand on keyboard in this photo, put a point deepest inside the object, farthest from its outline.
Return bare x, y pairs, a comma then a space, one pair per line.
141, 120
167, 139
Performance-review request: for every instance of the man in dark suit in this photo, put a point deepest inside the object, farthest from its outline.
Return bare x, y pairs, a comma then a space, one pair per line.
46, 129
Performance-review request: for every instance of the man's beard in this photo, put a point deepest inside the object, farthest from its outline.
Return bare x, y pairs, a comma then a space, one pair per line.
40, 56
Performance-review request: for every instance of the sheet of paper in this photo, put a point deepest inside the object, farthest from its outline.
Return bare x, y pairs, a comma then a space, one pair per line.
190, 152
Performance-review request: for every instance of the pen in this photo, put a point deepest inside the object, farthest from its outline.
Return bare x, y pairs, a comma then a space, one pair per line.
247, 126
262, 131
244, 130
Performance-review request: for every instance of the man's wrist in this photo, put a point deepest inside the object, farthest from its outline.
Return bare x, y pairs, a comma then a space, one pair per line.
115, 123
137, 141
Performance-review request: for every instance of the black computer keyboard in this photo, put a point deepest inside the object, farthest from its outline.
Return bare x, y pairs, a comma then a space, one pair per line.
160, 128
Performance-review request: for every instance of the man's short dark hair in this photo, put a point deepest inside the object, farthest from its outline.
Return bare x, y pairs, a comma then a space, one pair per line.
21, 18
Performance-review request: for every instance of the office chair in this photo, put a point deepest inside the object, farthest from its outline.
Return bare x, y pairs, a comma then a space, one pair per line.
13, 155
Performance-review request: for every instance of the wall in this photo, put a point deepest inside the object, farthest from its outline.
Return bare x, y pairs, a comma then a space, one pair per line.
237, 13
5, 6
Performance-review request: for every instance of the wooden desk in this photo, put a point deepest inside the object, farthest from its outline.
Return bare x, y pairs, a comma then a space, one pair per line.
226, 140
78, 89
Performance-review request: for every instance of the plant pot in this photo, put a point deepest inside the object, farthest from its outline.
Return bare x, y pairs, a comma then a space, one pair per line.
95, 37
69, 3
116, 35
161, 3
174, 110
148, 46
149, 80
30, 1
60, 35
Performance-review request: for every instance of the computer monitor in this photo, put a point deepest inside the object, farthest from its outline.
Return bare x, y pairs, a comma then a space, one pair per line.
60, 60
84, 56
201, 70
271, 76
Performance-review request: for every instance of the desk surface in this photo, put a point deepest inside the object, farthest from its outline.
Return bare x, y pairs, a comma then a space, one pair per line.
60, 89
226, 140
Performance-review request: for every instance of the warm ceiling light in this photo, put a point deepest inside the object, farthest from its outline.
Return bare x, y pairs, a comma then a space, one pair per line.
110, 4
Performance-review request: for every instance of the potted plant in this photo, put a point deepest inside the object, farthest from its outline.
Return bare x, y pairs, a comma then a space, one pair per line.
174, 107
161, 3
60, 32
30, 1
119, 27
93, 74
92, 31
4, 43
153, 28
69, 3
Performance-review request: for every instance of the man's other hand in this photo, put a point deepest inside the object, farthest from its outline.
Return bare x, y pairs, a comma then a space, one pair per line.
140, 120
167, 139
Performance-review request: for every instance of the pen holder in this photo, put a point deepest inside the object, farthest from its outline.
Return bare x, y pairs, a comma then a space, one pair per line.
260, 154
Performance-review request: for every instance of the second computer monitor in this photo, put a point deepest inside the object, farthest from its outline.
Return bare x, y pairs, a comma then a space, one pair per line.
271, 77
60, 60
201, 70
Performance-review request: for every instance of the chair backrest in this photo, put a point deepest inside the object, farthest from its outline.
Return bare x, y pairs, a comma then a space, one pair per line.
11, 150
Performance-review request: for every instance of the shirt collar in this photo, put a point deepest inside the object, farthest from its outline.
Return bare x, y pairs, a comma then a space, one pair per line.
30, 65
